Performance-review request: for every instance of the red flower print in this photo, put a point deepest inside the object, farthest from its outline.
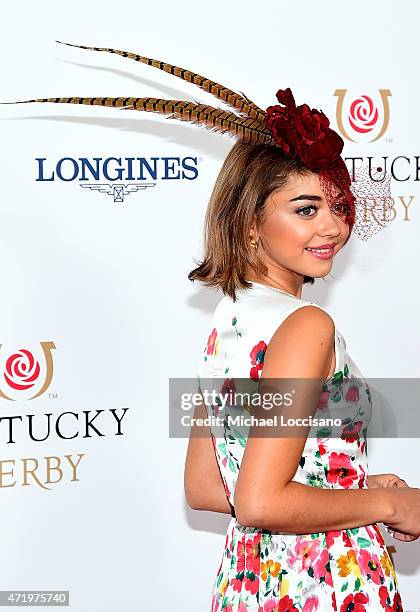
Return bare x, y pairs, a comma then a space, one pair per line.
352, 431
379, 535
323, 400
330, 536
252, 554
251, 583
311, 604
397, 603
211, 343
354, 603
341, 470
362, 478
240, 563
352, 394
321, 447
362, 447
346, 539
334, 602
237, 583
370, 565
286, 605
229, 390
257, 359
385, 598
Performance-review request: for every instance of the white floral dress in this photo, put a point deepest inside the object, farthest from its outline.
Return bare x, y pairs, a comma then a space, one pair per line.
270, 571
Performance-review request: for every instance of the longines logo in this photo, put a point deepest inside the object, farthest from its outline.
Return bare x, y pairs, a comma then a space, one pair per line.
25, 375
117, 176
361, 116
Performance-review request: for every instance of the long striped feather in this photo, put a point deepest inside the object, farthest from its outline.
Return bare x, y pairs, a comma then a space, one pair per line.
214, 119
239, 102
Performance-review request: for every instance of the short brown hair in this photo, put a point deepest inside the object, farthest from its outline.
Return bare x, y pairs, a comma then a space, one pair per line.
248, 176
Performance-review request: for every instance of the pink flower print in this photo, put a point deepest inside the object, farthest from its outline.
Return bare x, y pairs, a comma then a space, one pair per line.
306, 551
323, 400
352, 394
257, 359
311, 604
321, 567
212, 343
370, 565
242, 607
341, 470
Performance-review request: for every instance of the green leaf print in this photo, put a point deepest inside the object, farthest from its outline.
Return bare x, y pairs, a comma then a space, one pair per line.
357, 584
344, 587
346, 420
231, 465
234, 321
363, 542
355, 530
324, 432
241, 439
346, 370
337, 378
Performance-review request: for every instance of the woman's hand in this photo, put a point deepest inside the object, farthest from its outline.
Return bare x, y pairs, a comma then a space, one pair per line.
391, 480
385, 480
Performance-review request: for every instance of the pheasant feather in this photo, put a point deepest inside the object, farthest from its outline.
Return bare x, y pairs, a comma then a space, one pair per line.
214, 119
239, 102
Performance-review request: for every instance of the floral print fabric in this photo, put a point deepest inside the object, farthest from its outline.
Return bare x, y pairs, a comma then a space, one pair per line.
269, 571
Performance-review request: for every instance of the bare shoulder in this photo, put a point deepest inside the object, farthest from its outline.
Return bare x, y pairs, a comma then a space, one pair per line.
310, 319
302, 345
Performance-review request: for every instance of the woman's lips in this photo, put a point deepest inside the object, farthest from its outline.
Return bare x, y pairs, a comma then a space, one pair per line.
321, 253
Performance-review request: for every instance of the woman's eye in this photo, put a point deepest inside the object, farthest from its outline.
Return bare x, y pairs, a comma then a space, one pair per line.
342, 207
306, 208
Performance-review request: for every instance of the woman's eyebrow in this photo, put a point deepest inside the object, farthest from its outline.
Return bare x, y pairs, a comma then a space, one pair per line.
316, 198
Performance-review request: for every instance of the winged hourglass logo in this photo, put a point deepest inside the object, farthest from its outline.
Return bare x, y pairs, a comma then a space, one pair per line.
118, 191
22, 370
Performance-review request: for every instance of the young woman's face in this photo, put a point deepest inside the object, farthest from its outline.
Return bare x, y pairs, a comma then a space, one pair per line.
297, 218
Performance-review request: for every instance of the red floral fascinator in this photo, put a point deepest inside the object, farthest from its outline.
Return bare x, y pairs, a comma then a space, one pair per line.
300, 132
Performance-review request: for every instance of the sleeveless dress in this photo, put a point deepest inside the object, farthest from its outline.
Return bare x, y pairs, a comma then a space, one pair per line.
270, 571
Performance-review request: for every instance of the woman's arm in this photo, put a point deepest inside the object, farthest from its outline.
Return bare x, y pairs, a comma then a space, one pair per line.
203, 484
301, 348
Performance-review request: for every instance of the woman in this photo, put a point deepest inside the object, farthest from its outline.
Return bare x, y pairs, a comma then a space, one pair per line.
305, 535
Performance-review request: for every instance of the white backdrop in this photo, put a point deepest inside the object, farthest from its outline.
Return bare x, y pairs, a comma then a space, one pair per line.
106, 282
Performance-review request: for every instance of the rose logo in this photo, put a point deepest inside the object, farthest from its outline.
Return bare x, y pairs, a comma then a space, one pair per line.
363, 115
22, 370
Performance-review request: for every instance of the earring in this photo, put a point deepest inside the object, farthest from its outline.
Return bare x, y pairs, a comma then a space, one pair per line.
254, 244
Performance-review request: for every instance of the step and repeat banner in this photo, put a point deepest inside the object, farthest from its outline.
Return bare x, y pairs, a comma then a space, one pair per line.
102, 213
